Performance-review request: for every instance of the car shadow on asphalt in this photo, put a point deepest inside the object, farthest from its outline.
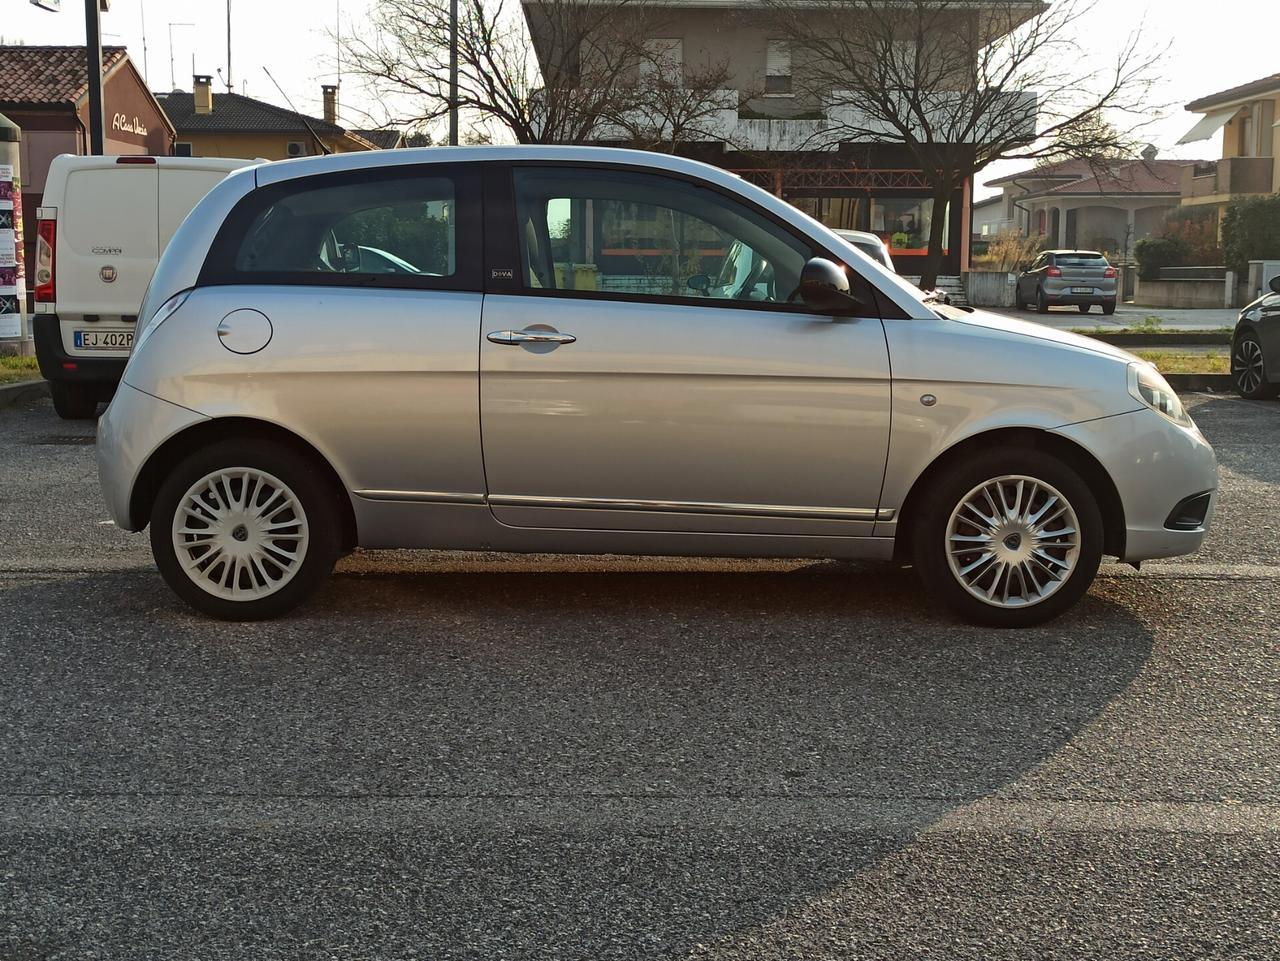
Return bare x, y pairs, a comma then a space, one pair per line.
614, 764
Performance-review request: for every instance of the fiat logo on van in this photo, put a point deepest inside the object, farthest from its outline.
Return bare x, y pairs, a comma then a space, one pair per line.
108, 274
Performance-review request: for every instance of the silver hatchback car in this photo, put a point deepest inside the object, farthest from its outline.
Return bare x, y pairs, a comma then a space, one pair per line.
590, 350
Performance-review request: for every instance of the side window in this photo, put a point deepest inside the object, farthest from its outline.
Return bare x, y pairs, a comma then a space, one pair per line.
642, 235
392, 228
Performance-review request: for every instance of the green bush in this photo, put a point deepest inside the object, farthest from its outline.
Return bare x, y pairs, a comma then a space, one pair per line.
1153, 253
1251, 231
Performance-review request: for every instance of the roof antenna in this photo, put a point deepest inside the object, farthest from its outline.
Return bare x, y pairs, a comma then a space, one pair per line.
311, 130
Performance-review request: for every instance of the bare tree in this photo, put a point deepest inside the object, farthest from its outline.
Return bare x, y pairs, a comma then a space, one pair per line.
560, 92
962, 84
673, 103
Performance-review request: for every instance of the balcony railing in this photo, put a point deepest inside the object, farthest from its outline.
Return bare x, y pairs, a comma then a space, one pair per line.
1231, 175
838, 122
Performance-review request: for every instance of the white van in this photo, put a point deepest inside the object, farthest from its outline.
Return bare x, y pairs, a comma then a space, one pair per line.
102, 225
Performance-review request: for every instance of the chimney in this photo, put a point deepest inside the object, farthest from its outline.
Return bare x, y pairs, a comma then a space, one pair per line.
202, 87
330, 92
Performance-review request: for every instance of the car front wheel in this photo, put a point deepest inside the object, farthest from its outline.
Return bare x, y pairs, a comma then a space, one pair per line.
1009, 538
245, 530
1249, 369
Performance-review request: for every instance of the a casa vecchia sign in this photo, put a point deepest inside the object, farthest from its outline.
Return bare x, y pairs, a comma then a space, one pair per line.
122, 123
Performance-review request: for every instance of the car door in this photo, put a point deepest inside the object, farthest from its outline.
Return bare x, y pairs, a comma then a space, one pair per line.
645, 370
374, 367
1027, 282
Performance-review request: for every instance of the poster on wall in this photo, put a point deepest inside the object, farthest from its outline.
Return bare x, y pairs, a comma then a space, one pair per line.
12, 287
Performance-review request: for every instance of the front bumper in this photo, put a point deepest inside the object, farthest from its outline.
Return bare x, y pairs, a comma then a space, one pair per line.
57, 364
1155, 465
133, 428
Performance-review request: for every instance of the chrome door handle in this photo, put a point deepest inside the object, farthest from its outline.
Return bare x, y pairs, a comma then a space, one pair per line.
530, 337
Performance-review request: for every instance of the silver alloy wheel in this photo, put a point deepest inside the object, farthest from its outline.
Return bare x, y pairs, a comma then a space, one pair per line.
1246, 365
240, 533
1013, 541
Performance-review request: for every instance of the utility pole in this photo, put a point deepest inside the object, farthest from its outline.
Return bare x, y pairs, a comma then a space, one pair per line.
230, 85
453, 72
93, 64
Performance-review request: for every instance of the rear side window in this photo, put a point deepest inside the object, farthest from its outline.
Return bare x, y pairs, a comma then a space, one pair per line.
1082, 259
403, 227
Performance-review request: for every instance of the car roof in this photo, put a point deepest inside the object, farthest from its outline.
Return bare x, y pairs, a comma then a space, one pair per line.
281, 170
1077, 253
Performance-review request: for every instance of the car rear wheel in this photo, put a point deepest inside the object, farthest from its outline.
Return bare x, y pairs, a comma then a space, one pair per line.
1109, 307
1009, 538
1249, 370
74, 401
1084, 308
245, 530
1042, 305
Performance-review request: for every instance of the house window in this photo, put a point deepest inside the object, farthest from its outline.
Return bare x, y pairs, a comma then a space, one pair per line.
183, 149
1246, 145
777, 68
663, 60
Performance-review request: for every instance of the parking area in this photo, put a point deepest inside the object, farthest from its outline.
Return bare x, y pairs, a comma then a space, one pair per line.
488, 757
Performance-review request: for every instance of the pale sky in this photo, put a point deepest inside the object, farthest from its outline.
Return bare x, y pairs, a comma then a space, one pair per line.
1212, 47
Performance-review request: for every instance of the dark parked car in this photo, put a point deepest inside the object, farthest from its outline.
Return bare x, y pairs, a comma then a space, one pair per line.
1058, 278
1255, 347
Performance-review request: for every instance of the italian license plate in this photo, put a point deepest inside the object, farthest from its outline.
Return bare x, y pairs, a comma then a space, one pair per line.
103, 339
1082, 290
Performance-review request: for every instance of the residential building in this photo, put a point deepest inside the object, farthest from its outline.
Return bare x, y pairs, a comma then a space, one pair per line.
45, 91
383, 138
1096, 204
1244, 119
212, 124
767, 127
986, 217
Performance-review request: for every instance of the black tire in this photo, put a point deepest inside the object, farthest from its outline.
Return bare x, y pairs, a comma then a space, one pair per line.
1042, 305
1109, 307
74, 401
1248, 364
931, 544
1084, 308
309, 485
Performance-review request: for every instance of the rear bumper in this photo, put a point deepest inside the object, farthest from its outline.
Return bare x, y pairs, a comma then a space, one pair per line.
1066, 297
57, 364
133, 428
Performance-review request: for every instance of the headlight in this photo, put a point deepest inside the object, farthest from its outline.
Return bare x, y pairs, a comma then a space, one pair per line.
163, 313
1148, 387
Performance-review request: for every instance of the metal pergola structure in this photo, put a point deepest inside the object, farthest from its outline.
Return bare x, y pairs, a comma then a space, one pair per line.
778, 180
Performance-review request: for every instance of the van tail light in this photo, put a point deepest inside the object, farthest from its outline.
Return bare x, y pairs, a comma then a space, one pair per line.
46, 243
1053, 272
1109, 273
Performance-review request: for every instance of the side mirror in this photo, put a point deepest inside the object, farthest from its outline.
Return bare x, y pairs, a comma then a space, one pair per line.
1275, 283
824, 287
699, 282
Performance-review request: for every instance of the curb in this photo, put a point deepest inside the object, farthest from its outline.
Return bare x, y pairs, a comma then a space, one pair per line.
11, 394
1180, 382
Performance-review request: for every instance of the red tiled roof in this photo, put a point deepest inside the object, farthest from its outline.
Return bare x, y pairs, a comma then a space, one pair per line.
1130, 177
48, 75
1264, 85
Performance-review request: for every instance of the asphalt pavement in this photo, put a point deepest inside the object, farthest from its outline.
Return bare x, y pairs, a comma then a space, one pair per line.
486, 756
1129, 316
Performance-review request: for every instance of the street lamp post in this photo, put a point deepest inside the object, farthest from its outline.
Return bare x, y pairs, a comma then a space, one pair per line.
453, 72
93, 63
